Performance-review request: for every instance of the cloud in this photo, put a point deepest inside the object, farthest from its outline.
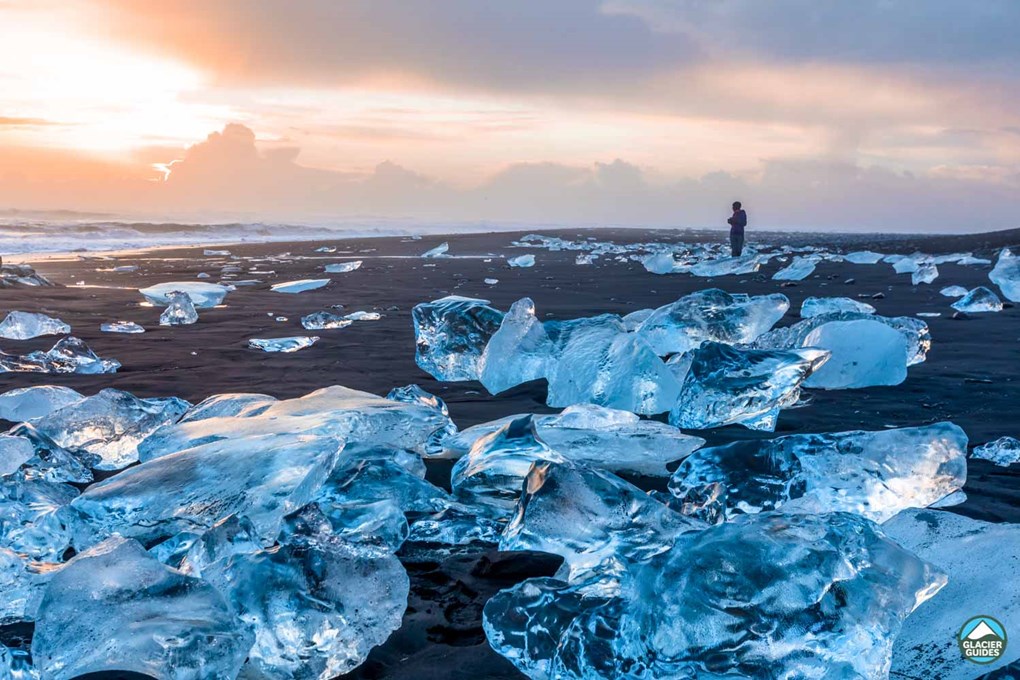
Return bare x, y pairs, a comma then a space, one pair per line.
15, 121
229, 175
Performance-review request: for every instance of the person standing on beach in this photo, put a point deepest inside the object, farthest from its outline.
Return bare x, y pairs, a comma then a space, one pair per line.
737, 224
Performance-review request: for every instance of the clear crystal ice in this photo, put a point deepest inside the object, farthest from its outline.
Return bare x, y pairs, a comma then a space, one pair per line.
69, 355
180, 311
285, 345
1006, 274
451, 335
26, 403
299, 286
816, 306
978, 301
27, 325
203, 295
1004, 451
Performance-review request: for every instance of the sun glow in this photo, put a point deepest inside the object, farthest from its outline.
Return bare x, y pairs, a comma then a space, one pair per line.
90, 96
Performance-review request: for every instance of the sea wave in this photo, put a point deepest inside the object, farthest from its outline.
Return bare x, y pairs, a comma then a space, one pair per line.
21, 236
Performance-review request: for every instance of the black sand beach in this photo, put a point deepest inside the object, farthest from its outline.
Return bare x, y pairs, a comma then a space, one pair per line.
971, 376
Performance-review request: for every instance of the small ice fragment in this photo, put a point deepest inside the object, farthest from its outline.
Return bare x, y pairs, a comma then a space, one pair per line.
69, 355
1004, 451
203, 295
202, 275
585, 258
326, 249
180, 312
27, 325
438, 251
521, 261
363, 316
491, 282
929, 315
299, 286
863, 257
954, 291
978, 300
799, 269
215, 253
285, 345
320, 321
121, 327
342, 267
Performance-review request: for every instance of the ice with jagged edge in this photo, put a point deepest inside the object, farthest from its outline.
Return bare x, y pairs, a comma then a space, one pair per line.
490, 475
317, 605
977, 301
27, 325
110, 424
413, 394
519, 351
22, 584
116, 608
591, 518
340, 412
925, 273
26, 403
451, 334
362, 315
816, 306
15, 451
299, 286
521, 261
438, 251
727, 385
596, 436
1006, 274
979, 558
50, 461
343, 267
828, 594
874, 474
180, 311
865, 348
599, 362
32, 519
121, 327
262, 477
710, 315
661, 263
320, 321
68, 355
1004, 451
799, 269
285, 345
203, 295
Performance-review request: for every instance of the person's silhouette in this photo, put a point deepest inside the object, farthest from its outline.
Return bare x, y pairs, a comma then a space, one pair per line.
737, 223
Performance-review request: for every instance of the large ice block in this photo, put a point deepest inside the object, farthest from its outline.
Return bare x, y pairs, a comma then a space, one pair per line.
22, 583
874, 474
451, 334
1006, 274
335, 411
711, 315
728, 266
492, 472
69, 355
980, 560
592, 518
925, 273
413, 394
599, 362
518, 352
116, 608
773, 595
32, 520
110, 424
727, 385
316, 608
15, 451
863, 257
25, 403
600, 437
261, 477
52, 462
28, 325
203, 295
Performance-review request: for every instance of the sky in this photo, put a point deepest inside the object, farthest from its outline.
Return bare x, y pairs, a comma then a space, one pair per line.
897, 115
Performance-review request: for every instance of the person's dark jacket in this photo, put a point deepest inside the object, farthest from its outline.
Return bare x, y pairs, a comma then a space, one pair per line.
738, 222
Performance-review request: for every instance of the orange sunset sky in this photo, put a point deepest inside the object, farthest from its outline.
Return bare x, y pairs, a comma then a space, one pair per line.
816, 113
